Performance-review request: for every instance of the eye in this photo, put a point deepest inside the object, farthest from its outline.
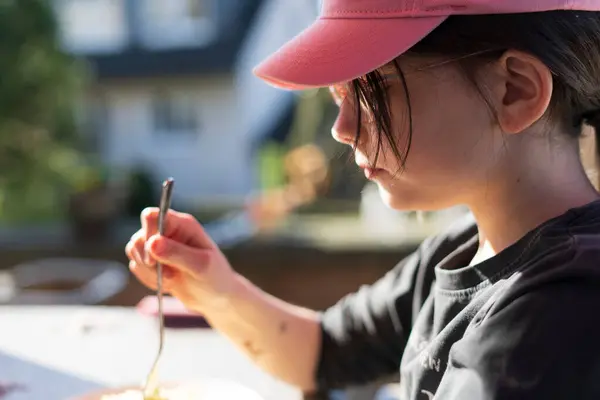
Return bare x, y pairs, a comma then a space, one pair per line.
344, 92
339, 93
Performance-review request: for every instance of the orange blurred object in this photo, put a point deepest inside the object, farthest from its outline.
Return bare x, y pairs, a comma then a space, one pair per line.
307, 171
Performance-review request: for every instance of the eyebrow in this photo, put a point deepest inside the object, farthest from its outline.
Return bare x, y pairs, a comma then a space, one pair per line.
387, 71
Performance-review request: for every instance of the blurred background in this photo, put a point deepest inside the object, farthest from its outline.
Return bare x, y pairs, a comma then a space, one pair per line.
100, 100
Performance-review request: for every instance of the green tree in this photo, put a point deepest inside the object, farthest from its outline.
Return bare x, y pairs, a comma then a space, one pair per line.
39, 87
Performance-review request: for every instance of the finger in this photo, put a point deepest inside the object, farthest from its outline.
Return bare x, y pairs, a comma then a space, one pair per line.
136, 251
179, 226
140, 246
137, 257
143, 274
128, 250
148, 277
178, 255
149, 220
130, 247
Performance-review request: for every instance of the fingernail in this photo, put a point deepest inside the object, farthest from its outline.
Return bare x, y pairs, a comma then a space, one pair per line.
156, 245
148, 260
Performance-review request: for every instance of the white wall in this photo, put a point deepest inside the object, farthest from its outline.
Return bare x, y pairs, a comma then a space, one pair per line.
168, 24
279, 21
232, 111
92, 26
213, 162
102, 26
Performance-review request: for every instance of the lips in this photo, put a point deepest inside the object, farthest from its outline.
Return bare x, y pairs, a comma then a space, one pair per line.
372, 173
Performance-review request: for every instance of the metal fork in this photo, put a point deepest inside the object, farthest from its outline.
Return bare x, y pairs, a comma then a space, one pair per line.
150, 386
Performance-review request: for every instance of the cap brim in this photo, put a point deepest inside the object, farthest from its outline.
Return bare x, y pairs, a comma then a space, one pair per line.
331, 51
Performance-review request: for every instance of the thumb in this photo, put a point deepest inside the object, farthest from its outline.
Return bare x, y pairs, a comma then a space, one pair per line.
179, 226
178, 255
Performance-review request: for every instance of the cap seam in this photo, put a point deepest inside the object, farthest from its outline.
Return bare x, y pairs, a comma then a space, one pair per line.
377, 17
413, 12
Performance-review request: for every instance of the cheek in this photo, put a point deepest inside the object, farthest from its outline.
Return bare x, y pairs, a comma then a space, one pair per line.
450, 125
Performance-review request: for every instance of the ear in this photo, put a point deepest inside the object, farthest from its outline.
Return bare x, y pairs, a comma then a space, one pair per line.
524, 91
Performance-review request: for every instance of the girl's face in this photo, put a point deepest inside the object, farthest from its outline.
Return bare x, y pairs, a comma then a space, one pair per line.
455, 146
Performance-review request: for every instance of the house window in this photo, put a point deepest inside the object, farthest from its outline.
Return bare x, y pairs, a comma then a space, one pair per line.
92, 26
177, 23
175, 114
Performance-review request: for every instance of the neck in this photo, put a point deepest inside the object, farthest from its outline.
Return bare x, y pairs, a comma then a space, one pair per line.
523, 201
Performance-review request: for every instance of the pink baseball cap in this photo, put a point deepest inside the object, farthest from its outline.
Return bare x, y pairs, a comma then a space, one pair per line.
353, 37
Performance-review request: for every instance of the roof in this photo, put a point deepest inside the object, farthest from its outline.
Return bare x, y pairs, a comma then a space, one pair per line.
219, 56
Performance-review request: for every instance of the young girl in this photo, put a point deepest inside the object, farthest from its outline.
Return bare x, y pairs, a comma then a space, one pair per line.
445, 102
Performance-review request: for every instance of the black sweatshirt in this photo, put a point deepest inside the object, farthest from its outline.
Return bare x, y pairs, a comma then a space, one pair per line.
524, 324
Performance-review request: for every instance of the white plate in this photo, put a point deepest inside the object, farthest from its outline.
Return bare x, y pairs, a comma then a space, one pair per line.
209, 389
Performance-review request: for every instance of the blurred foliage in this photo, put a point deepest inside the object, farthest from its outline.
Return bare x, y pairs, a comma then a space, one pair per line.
39, 88
270, 160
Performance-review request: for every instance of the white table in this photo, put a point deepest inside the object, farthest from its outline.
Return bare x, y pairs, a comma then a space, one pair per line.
59, 352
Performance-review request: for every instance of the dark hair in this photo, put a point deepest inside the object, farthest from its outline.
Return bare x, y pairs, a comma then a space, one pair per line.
568, 42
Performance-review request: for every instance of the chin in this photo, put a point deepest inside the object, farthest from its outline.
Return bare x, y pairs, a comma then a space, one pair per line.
408, 201
394, 201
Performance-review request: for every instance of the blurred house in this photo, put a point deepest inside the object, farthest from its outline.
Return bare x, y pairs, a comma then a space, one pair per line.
173, 89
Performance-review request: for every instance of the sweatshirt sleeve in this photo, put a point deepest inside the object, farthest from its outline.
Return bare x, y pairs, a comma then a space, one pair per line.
364, 334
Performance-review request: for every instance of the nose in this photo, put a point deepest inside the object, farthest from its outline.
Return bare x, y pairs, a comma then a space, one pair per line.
344, 127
